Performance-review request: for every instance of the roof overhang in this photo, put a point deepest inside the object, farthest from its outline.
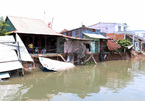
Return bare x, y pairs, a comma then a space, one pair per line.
136, 38
95, 36
36, 33
75, 38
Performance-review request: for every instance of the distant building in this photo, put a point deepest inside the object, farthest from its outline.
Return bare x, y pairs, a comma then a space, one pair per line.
63, 31
136, 37
111, 29
118, 31
89, 33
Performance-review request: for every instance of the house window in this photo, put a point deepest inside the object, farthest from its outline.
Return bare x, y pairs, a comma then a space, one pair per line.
119, 28
70, 33
96, 46
93, 30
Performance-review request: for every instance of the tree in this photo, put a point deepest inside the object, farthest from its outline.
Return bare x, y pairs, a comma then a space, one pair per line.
123, 43
3, 24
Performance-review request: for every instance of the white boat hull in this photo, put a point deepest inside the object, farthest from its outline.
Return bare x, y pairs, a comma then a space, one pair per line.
55, 65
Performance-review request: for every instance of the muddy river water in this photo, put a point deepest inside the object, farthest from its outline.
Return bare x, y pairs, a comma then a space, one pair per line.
106, 81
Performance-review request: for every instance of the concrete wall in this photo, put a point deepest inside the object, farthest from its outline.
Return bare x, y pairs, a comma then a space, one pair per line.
109, 27
119, 36
60, 45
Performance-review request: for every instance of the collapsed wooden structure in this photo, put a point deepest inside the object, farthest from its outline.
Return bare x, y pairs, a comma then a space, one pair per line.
13, 54
77, 49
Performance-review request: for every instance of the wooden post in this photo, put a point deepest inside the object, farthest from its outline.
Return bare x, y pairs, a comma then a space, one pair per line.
87, 59
45, 42
33, 43
94, 60
56, 44
61, 57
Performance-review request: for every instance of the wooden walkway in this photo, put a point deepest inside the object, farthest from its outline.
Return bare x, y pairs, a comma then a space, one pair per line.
47, 55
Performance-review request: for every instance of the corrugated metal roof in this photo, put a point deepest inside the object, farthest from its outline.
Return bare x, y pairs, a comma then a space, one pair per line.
96, 36
31, 26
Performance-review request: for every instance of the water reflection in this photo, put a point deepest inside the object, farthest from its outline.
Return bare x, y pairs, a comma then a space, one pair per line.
78, 83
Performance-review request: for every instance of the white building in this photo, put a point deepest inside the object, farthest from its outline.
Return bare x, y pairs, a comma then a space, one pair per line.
110, 27
137, 38
120, 31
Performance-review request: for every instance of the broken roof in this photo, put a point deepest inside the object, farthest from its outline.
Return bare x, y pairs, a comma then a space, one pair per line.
8, 57
31, 26
112, 45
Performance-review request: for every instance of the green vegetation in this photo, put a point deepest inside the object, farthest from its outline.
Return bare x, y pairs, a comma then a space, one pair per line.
83, 26
123, 43
3, 24
90, 63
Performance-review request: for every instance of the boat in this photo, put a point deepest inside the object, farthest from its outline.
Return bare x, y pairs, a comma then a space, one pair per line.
54, 65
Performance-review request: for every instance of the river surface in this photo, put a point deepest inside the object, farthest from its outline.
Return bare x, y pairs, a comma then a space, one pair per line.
106, 81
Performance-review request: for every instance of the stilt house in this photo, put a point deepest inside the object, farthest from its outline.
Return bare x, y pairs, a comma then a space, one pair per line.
34, 31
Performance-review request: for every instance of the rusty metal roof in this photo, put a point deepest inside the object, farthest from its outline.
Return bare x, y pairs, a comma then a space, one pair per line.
112, 45
31, 26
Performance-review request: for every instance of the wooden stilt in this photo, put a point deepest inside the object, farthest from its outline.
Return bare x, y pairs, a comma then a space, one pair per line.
22, 72
87, 59
61, 57
94, 60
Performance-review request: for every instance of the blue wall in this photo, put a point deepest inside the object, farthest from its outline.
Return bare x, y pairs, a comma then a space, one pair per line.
73, 33
79, 32
82, 30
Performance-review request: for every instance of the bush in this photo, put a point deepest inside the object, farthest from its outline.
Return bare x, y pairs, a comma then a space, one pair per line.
123, 43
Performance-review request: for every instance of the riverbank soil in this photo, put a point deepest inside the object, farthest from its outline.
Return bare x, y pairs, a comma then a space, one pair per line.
124, 56
105, 57
138, 55
117, 56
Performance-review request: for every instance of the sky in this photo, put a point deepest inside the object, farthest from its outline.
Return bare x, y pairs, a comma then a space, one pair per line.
71, 14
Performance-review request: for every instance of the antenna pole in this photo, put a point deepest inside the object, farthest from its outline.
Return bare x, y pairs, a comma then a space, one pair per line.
52, 22
44, 16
